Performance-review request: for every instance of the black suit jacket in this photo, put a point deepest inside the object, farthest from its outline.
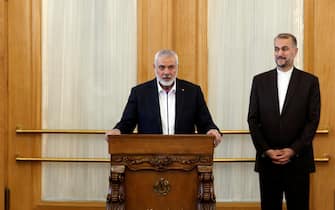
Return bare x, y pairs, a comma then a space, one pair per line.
143, 110
295, 127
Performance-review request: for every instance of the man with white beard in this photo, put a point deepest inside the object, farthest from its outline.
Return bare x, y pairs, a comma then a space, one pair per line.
166, 105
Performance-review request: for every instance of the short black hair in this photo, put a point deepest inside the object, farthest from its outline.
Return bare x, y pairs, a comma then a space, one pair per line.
287, 36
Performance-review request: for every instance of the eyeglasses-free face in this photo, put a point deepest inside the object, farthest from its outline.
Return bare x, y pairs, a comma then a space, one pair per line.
166, 70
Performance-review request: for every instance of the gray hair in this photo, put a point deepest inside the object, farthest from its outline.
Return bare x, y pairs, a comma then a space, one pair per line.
287, 36
167, 53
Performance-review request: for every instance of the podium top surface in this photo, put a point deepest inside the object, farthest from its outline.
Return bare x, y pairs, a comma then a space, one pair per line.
161, 144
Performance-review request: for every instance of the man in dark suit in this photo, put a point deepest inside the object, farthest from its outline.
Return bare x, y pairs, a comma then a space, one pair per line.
166, 105
283, 116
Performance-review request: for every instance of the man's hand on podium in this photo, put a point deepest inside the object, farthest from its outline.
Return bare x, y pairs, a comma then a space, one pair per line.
217, 135
113, 132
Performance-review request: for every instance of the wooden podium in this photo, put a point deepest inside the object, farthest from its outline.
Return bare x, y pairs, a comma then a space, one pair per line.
161, 172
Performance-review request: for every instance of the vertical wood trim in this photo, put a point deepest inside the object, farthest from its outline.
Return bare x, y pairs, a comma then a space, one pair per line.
154, 33
36, 11
309, 35
184, 37
140, 39
202, 46
4, 100
190, 40
309, 53
23, 82
322, 188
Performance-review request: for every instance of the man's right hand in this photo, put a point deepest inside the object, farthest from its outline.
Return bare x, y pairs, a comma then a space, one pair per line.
280, 156
274, 154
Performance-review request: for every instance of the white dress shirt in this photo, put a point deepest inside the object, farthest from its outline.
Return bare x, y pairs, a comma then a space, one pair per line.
283, 82
167, 104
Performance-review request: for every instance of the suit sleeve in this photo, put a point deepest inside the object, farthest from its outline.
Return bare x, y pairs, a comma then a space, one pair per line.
129, 117
313, 118
204, 120
255, 126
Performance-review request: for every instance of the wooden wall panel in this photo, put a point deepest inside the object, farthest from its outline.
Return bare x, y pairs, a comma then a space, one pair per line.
320, 47
178, 25
23, 90
309, 35
240, 206
190, 40
154, 31
36, 65
4, 100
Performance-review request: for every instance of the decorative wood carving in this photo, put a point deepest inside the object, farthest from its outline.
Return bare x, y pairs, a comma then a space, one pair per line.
161, 172
206, 195
116, 194
162, 186
161, 162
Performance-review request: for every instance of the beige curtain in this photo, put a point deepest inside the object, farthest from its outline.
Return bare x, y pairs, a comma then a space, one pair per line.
240, 39
88, 66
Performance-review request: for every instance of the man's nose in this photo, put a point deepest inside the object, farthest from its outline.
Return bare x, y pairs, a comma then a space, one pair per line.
166, 70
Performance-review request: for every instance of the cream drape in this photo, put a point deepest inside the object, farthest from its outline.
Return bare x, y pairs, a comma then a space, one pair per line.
89, 64
240, 39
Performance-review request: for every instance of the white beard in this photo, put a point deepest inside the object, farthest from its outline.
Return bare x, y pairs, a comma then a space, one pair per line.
166, 83
163, 82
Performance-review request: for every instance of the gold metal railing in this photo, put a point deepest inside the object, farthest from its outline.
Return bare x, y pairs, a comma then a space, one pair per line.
62, 159
79, 131
324, 159
106, 160
60, 131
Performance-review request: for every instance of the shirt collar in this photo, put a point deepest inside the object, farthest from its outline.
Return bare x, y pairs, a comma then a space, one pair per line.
289, 72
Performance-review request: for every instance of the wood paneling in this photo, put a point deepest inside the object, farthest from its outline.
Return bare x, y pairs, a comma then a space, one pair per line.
4, 100
240, 206
320, 48
154, 33
23, 101
70, 206
180, 26
36, 50
309, 35
182, 184
190, 40
139, 144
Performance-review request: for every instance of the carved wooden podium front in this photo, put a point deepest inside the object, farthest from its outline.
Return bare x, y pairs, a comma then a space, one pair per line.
161, 172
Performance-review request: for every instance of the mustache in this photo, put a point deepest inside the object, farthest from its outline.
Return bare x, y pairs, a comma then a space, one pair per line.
281, 57
166, 77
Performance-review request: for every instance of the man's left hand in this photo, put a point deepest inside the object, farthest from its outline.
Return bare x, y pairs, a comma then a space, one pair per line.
217, 135
285, 155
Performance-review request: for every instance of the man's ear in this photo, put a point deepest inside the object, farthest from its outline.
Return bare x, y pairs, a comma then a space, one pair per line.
296, 51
